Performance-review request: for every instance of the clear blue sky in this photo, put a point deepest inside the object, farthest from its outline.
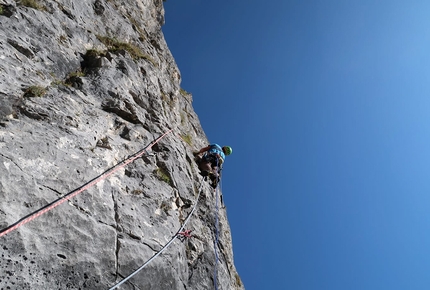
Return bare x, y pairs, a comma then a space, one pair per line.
327, 107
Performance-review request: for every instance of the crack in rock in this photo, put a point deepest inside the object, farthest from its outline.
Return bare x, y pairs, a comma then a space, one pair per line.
12, 161
53, 189
146, 244
117, 241
70, 202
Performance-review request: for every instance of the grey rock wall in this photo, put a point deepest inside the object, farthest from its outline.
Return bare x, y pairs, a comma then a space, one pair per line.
83, 85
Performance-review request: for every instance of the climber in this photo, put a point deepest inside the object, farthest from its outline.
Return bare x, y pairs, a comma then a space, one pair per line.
211, 162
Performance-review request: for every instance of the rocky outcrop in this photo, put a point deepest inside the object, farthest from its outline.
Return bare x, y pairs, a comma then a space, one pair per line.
83, 85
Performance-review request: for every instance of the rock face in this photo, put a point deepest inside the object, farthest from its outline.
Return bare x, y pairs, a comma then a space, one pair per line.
84, 85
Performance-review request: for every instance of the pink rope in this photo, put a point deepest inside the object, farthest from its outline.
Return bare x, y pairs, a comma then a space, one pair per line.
77, 191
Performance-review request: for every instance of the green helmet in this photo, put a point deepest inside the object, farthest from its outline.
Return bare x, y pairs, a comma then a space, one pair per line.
227, 150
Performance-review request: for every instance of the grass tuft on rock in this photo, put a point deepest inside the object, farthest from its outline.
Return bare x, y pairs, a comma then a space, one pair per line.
34, 91
183, 92
187, 139
114, 46
32, 4
162, 175
73, 77
94, 53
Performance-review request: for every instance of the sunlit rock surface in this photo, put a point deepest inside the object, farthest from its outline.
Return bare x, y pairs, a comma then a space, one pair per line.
84, 85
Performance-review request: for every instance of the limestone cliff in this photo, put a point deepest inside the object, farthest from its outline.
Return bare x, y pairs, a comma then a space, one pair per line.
84, 85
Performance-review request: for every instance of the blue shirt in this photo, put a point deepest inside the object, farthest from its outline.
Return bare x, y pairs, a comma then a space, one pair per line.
216, 149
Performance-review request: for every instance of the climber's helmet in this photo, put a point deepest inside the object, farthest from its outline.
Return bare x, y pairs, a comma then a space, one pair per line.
227, 150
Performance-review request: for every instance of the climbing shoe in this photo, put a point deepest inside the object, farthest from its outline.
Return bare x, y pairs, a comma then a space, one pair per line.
204, 173
213, 177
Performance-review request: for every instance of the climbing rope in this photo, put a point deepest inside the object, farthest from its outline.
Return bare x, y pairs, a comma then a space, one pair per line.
165, 246
216, 240
105, 175
84, 187
216, 190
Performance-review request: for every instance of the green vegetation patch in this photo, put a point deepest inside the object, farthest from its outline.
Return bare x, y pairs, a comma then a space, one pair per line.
74, 77
57, 82
168, 100
162, 174
183, 92
78, 73
35, 91
32, 4
238, 281
114, 46
1, 9
187, 139
183, 118
136, 26
95, 53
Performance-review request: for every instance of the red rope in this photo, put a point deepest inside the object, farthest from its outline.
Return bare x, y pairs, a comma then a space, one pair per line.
72, 194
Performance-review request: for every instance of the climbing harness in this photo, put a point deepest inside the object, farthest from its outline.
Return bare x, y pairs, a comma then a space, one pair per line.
84, 187
166, 245
212, 155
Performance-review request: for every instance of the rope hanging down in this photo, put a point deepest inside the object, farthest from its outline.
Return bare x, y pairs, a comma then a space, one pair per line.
165, 246
216, 190
216, 240
84, 187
